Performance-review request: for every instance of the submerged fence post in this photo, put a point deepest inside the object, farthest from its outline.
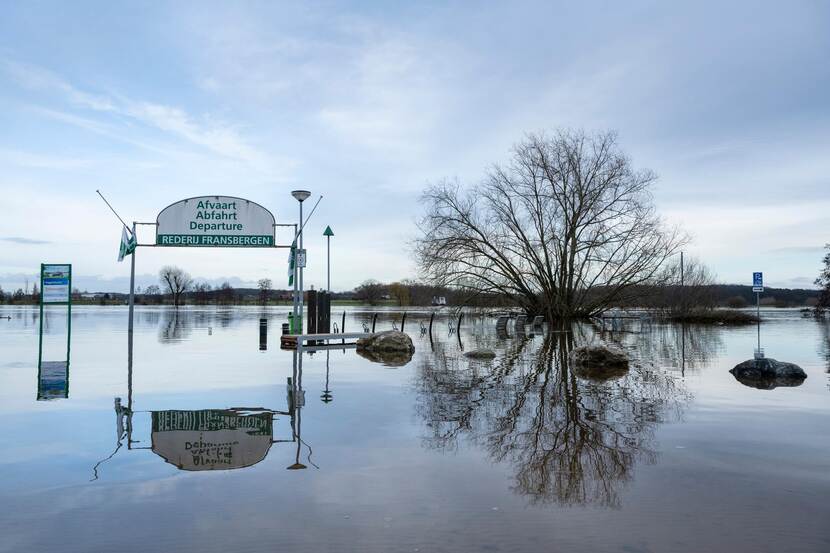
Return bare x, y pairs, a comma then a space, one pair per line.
374, 320
458, 325
403, 320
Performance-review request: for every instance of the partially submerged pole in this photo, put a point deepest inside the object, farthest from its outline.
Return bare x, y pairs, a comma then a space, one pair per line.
403, 320
431, 318
374, 320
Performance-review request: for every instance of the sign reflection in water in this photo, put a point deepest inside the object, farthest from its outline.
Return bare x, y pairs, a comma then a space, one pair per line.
212, 439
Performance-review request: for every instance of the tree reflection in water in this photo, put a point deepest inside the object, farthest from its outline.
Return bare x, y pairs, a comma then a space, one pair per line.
570, 441
825, 347
176, 325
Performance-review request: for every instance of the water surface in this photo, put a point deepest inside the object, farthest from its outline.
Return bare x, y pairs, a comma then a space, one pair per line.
213, 443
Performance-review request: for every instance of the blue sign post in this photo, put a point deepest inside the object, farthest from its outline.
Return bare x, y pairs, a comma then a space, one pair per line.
758, 282
758, 287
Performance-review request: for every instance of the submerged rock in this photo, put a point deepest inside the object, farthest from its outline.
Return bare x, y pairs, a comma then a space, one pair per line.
767, 374
392, 348
599, 362
388, 358
480, 354
390, 340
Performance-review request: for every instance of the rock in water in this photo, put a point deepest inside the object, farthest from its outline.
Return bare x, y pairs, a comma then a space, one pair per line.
388, 358
392, 348
767, 374
599, 362
481, 354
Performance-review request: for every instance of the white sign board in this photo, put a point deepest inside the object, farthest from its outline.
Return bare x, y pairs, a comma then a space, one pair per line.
215, 221
55, 283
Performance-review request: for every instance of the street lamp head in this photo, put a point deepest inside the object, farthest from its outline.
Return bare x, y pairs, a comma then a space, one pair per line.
301, 195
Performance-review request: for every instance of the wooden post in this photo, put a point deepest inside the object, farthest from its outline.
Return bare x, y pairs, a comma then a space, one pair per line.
431, 318
403, 320
374, 320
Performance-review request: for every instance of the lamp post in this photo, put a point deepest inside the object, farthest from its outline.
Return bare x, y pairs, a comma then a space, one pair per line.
300, 196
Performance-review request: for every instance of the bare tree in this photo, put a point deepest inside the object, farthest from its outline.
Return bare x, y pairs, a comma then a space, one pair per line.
371, 292
176, 281
264, 285
685, 289
563, 230
823, 282
227, 294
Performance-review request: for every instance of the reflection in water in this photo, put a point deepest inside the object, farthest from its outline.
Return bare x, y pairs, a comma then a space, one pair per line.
176, 326
212, 439
53, 376
683, 346
570, 441
825, 347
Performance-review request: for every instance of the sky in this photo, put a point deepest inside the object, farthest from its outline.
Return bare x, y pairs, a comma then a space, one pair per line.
366, 103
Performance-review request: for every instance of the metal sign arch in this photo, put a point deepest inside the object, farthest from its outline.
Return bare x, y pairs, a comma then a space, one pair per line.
255, 217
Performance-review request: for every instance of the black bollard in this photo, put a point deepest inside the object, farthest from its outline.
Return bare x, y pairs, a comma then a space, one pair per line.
263, 334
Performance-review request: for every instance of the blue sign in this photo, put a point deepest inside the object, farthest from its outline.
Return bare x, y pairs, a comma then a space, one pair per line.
757, 279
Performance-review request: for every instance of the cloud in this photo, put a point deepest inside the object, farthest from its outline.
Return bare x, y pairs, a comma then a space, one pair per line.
798, 249
216, 136
19, 240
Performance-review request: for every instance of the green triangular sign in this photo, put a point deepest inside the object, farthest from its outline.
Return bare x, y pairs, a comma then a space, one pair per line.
328, 231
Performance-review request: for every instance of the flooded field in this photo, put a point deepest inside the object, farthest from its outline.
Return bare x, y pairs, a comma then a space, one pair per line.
219, 441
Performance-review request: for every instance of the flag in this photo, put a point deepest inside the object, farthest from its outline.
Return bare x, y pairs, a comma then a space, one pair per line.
292, 260
127, 244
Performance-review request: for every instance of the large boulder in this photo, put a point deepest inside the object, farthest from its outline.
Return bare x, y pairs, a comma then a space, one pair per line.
480, 354
598, 362
392, 348
767, 374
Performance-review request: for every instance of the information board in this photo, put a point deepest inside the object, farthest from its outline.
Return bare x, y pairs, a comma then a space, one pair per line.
55, 283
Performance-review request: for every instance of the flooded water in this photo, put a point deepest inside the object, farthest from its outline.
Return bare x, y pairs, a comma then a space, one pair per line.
216, 440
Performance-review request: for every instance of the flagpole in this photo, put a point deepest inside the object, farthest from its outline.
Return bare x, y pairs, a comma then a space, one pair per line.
116, 213
132, 293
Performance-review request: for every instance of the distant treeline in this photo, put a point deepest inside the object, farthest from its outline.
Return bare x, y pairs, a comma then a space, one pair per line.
407, 293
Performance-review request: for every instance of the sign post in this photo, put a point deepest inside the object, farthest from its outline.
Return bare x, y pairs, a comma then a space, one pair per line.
758, 287
55, 289
328, 233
